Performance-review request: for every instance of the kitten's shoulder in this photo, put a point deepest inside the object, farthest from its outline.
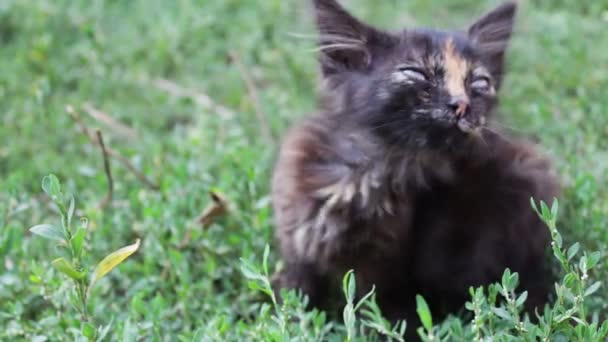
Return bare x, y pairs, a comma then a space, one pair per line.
522, 159
320, 151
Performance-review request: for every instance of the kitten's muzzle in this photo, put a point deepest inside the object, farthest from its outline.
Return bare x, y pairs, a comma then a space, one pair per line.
459, 105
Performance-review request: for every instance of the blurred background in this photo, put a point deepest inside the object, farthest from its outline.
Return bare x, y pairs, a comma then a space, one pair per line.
195, 94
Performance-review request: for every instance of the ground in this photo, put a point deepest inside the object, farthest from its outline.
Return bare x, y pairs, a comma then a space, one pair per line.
200, 92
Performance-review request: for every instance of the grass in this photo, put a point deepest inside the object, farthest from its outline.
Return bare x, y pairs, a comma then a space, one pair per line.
185, 282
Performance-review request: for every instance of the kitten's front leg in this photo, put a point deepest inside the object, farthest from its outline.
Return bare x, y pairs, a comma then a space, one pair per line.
332, 211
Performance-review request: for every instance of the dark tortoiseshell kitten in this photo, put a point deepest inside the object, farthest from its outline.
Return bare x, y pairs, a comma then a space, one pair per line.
400, 175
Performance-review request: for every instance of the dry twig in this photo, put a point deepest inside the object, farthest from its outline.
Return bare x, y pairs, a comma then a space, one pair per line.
253, 97
106, 166
217, 208
112, 153
201, 99
108, 120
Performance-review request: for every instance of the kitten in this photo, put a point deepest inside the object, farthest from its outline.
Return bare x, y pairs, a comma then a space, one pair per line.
400, 176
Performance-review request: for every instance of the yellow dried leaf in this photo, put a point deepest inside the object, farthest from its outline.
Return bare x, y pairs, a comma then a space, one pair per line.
112, 260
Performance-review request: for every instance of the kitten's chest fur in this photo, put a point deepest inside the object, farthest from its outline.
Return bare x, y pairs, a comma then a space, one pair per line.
346, 198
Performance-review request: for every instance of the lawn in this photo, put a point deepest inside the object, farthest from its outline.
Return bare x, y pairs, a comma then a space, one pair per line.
195, 95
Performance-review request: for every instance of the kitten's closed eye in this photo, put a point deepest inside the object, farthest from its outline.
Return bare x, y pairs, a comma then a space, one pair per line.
412, 74
481, 84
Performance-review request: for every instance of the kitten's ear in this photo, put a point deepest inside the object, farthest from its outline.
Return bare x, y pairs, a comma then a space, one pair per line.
345, 43
491, 35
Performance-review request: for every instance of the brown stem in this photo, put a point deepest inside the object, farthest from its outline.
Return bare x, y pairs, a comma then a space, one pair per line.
106, 166
201, 99
108, 120
112, 153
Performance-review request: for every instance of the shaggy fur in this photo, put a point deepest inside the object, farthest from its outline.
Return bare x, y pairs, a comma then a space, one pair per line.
400, 175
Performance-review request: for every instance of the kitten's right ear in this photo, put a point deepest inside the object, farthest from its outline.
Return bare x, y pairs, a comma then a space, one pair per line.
344, 41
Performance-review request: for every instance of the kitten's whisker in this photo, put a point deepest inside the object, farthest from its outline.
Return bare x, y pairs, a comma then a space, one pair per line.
388, 123
338, 46
324, 37
479, 136
490, 130
513, 128
339, 39
499, 134
303, 35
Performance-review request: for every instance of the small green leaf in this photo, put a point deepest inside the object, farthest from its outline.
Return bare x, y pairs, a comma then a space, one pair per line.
558, 239
78, 240
103, 332
74, 300
35, 279
128, 331
533, 204
513, 281
112, 260
544, 209
593, 259
593, 288
403, 327
71, 208
88, 331
345, 283
506, 277
568, 295
424, 313
352, 287
579, 321
522, 298
48, 231
66, 268
554, 209
264, 288
604, 329
264, 310
349, 286
365, 298
250, 271
573, 250
199, 335
253, 285
502, 313
265, 259
582, 263
51, 186
558, 254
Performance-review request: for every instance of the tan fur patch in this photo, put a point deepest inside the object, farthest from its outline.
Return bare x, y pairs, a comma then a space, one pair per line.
456, 69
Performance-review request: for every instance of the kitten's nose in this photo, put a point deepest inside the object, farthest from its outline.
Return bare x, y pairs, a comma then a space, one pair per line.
459, 105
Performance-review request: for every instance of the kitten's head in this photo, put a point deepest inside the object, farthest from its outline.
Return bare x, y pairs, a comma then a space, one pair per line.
415, 87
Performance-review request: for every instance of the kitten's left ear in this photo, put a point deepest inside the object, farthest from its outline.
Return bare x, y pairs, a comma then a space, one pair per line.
491, 35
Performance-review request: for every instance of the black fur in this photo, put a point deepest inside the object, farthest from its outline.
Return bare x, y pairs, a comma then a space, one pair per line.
401, 175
